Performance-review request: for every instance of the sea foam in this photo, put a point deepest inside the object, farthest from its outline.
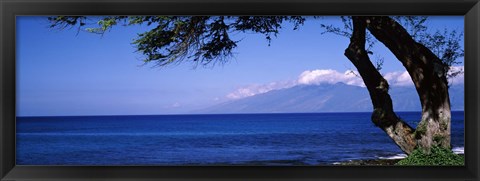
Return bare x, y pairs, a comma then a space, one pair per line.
456, 150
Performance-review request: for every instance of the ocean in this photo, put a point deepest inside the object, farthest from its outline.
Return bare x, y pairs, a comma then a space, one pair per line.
228, 139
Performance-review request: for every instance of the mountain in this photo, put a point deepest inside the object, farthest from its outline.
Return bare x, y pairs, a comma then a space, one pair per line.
338, 97
406, 98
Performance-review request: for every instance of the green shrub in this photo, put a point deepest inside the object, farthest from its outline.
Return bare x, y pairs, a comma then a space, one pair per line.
438, 156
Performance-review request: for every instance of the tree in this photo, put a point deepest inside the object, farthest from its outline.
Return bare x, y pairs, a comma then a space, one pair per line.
205, 40
428, 72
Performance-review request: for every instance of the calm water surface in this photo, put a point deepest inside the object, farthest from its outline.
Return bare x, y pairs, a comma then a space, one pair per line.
235, 139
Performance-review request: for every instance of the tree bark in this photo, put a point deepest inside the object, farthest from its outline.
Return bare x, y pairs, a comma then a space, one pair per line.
383, 115
429, 77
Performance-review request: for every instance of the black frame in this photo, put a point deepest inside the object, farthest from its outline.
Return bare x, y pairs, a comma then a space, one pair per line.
11, 8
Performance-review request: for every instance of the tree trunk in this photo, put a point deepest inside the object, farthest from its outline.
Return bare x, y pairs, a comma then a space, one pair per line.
383, 115
429, 76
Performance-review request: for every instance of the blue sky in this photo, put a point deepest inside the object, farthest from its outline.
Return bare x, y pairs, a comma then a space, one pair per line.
78, 73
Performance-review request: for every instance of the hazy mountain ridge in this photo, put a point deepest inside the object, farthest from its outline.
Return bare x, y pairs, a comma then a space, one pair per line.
338, 97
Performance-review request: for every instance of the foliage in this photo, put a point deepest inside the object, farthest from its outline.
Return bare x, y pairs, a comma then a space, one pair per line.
207, 39
447, 47
173, 39
346, 31
438, 156
444, 44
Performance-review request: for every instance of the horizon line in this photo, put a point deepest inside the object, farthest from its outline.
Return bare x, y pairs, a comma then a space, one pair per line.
187, 114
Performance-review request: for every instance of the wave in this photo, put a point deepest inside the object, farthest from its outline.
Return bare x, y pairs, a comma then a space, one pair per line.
397, 156
458, 150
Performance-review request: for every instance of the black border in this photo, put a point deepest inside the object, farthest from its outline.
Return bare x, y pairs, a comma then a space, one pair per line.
11, 8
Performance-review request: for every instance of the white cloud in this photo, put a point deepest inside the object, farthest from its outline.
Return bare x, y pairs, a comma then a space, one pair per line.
329, 76
403, 78
255, 89
309, 77
398, 78
460, 78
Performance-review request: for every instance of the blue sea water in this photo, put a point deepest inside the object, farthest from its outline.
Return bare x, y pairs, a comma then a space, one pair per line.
232, 139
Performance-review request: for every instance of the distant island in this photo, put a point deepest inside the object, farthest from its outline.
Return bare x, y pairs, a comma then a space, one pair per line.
337, 97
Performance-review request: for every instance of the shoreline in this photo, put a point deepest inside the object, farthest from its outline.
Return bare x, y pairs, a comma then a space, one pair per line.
369, 162
372, 162
276, 163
